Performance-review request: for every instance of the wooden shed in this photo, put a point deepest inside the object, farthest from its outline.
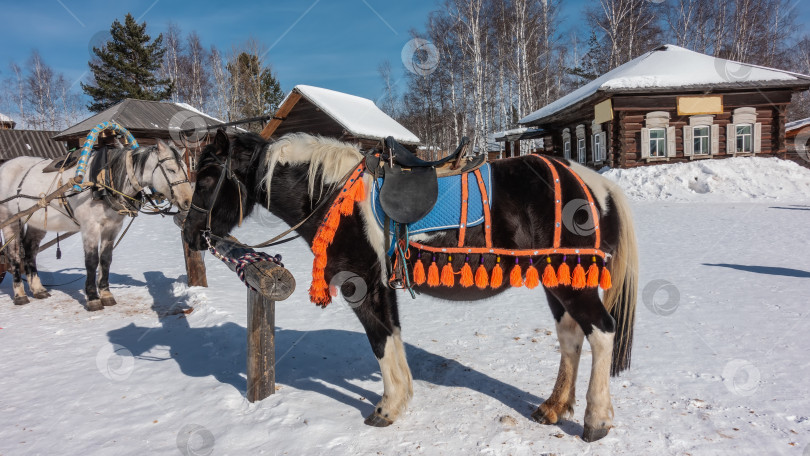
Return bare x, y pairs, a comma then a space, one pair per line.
671, 105
325, 112
31, 143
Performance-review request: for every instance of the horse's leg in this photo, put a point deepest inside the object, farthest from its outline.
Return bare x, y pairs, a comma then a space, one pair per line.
107, 242
563, 399
13, 250
31, 242
599, 327
378, 315
90, 238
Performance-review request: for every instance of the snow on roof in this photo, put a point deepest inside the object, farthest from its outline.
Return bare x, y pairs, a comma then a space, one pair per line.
5, 118
671, 66
796, 124
188, 107
359, 116
513, 131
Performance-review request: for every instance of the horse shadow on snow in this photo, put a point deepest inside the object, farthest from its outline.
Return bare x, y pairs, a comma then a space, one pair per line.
301, 358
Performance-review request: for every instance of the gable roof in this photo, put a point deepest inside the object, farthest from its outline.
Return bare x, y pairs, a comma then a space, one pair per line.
669, 68
357, 116
32, 143
142, 116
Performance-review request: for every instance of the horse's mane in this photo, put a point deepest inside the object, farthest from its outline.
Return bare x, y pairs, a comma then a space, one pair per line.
328, 158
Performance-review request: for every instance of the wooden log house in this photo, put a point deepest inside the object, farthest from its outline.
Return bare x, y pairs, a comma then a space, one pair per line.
670, 105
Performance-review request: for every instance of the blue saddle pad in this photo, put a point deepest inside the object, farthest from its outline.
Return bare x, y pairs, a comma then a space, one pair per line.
446, 214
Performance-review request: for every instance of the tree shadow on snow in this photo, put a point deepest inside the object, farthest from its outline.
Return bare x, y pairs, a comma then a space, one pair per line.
769, 270
324, 361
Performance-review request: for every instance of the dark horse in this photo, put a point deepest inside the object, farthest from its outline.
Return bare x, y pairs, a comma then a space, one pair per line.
293, 174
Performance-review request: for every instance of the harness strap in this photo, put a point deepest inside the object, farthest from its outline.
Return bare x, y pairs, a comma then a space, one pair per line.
594, 212
462, 231
557, 201
485, 202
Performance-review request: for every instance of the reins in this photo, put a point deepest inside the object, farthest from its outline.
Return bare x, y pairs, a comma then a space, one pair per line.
276, 240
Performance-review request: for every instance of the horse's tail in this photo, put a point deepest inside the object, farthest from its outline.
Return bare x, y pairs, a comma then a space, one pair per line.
620, 299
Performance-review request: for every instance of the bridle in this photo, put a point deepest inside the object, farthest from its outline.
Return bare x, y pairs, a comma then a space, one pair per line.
163, 157
227, 172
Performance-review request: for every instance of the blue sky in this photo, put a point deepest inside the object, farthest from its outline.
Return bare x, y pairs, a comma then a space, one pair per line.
327, 43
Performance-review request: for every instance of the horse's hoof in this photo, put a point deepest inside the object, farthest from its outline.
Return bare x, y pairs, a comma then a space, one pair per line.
21, 300
592, 435
42, 295
541, 417
94, 305
107, 302
378, 421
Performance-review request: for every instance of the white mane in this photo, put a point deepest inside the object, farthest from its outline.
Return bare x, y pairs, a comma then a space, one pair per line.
332, 158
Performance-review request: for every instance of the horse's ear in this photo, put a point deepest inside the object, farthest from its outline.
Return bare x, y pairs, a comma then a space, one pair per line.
163, 148
222, 143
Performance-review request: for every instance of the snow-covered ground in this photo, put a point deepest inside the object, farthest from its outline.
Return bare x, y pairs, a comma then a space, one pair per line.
719, 363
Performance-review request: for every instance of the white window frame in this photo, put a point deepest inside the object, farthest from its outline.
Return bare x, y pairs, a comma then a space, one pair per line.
746, 116
689, 135
655, 121
695, 137
598, 143
661, 147
738, 137
581, 152
566, 135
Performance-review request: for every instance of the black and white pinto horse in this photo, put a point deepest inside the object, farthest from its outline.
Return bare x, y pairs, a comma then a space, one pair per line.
291, 175
160, 168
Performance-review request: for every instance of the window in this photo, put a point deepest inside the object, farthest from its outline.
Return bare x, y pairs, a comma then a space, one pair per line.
658, 142
745, 138
700, 140
744, 133
658, 137
598, 148
581, 150
567, 150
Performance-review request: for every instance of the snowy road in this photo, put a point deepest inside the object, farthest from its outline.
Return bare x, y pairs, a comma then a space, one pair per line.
719, 367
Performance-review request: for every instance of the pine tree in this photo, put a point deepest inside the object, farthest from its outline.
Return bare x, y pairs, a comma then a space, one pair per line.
126, 67
256, 90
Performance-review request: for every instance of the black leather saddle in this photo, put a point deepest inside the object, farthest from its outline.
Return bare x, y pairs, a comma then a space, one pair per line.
410, 185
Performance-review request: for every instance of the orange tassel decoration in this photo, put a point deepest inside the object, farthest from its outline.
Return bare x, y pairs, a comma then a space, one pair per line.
466, 274
359, 190
497, 275
347, 205
433, 274
333, 221
532, 276
516, 276
593, 274
448, 279
604, 281
578, 280
564, 273
419, 271
481, 276
549, 277
320, 261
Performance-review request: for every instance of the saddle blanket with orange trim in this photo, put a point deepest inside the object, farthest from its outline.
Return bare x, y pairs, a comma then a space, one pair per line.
446, 214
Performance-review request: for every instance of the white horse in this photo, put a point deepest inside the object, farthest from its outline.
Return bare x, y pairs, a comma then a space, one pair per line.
23, 183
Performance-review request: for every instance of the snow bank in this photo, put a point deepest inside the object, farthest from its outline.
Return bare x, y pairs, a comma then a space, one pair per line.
731, 180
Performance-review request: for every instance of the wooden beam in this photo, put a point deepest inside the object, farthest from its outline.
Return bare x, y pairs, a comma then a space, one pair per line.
282, 112
43, 202
261, 346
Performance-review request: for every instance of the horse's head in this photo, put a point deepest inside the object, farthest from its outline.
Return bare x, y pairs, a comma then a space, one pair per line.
165, 172
225, 191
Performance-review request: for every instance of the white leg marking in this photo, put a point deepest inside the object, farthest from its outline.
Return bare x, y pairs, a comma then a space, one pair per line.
599, 411
397, 380
35, 284
563, 399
